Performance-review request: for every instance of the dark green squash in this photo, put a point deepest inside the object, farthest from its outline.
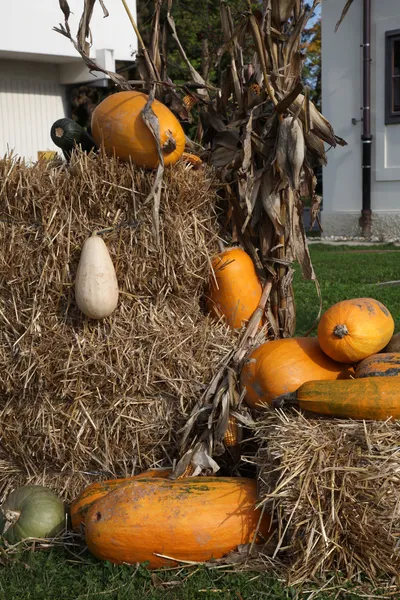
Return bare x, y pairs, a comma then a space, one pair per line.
31, 511
66, 133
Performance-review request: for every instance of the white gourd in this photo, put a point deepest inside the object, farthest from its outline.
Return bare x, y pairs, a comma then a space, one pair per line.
96, 285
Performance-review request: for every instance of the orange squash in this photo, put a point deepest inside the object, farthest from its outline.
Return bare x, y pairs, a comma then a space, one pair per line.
354, 329
393, 345
370, 398
117, 123
281, 366
379, 365
94, 491
234, 290
192, 519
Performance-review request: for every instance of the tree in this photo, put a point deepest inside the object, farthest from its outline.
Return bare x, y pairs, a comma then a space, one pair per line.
312, 65
199, 28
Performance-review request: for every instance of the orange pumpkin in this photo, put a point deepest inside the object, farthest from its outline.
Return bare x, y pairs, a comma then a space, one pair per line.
354, 329
281, 366
192, 519
117, 123
379, 365
372, 398
94, 491
234, 290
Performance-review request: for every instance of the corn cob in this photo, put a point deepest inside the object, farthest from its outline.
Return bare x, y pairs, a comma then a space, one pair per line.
187, 472
192, 158
189, 102
231, 437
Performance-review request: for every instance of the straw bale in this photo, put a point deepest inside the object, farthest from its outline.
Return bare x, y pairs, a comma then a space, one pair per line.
83, 399
334, 487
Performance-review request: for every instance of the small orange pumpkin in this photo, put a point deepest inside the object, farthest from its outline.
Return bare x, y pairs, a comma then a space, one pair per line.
281, 366
192, 519
378, 365
117, 123
234, 290
354, 329
98, 489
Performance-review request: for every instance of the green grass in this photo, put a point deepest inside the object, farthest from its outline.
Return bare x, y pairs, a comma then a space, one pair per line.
55, 575
343, 272
347, 272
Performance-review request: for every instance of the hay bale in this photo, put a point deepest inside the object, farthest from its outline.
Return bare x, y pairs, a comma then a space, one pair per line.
334, 486
108, 398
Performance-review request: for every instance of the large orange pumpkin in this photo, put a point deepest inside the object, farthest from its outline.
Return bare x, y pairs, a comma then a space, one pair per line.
281, 366
98, 489
118, 124
234, 290
372, 398
379, 365
354, 329
192, 519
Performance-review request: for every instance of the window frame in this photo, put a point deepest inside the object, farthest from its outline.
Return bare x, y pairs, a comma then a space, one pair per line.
391, 117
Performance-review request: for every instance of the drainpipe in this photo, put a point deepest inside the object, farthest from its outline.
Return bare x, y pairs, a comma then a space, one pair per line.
366, 137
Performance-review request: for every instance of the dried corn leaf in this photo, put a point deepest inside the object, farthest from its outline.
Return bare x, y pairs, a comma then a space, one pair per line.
319, 125
281, 11
290, 150
270, 200
317, 147
344, 13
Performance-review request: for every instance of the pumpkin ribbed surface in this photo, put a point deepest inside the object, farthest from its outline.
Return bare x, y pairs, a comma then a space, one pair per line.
186, 519
379, 365
372, 398
94, 491
118, 124
31, 511
235, 290
354, 329
281, 366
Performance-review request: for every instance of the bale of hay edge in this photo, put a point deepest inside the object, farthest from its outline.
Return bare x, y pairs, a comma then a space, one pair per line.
81, 399
334, 488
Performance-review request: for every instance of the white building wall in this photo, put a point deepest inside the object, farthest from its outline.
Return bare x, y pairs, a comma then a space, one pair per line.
342, 101
31, 99
26, 27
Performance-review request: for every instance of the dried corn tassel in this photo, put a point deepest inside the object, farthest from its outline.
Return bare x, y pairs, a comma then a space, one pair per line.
290, 150
231, 437
189, 102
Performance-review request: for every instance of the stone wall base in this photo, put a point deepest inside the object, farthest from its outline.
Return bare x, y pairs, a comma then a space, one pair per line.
384, 227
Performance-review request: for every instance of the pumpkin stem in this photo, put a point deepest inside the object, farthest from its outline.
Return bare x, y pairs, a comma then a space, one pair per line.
170, 143
340, 331
11, 517
289, 399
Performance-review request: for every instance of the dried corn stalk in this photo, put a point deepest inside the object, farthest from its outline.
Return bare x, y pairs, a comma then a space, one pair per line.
263, 135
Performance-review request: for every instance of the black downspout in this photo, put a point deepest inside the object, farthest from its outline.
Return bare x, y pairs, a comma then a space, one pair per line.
366, 137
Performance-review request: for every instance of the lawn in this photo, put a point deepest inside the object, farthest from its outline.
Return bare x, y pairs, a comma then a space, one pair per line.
343, 272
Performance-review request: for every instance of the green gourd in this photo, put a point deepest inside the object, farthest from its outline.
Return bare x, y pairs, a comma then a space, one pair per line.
31, 511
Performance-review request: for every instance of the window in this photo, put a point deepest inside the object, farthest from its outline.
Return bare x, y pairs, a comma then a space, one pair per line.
392, 77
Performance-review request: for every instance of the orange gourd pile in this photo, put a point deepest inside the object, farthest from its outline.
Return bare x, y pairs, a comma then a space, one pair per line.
344, 372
